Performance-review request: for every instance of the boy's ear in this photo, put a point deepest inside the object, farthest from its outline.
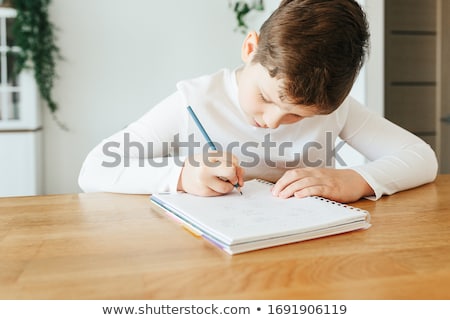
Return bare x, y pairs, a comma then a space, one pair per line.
249, 46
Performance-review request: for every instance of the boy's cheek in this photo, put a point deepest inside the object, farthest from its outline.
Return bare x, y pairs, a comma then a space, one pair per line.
249, 106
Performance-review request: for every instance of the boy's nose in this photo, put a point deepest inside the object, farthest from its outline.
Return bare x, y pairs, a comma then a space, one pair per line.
273, 119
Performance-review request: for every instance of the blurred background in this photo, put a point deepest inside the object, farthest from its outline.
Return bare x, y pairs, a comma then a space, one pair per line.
122, 57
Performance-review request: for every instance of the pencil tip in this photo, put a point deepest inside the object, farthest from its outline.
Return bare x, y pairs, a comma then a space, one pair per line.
238, 188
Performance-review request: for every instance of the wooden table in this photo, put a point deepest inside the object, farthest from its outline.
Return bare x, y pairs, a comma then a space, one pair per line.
113, 246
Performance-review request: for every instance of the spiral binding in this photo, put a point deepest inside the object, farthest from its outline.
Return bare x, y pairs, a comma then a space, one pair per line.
338, 204
265, 182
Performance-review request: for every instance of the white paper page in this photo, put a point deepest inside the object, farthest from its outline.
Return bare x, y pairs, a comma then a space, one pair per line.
257, 214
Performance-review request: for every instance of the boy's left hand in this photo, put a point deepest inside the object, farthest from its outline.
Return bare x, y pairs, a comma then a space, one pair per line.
342, 185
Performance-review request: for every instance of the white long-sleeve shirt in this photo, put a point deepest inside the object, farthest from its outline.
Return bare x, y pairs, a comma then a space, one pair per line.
148, 155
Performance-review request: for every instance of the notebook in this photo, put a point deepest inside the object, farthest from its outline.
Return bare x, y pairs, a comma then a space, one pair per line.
255, 220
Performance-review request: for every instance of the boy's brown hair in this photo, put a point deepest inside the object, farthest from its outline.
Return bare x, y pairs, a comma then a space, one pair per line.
317, 48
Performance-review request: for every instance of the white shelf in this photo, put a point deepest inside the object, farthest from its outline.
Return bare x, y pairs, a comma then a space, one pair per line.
19, 100
8, 13
20, 121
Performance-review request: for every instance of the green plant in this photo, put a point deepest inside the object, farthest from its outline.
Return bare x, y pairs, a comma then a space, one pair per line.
242, 8
34, 34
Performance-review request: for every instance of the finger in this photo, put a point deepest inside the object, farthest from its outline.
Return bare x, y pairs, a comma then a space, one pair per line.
213, 158
239, 172
319, 191
299, 185
287, 179
233, 173
220, 186
240, 176
223, 158
227, 168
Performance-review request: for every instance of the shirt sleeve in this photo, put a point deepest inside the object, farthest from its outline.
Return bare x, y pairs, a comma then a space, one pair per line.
139, 159
397, 159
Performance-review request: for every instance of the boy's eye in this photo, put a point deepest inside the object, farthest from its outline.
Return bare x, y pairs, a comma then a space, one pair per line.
263, 98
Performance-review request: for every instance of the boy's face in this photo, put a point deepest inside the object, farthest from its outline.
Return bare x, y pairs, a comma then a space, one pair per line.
260, 101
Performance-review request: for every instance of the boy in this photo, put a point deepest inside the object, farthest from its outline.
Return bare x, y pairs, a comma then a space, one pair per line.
277, 118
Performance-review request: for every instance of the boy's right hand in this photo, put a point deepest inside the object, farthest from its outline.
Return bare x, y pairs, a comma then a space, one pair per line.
210, 174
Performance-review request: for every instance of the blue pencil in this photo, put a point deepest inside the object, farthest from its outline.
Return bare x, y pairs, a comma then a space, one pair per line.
207, 138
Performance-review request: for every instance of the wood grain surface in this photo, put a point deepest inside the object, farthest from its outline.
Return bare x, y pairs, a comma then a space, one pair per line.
115, 246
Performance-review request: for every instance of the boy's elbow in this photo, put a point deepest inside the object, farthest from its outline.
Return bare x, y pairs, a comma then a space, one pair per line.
431, 164
435, 165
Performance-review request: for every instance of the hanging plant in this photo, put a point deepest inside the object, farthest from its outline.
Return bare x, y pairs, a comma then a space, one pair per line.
241, 9
34, 34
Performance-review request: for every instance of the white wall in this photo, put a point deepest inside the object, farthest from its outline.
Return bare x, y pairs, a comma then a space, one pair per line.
369, 87
122, 57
